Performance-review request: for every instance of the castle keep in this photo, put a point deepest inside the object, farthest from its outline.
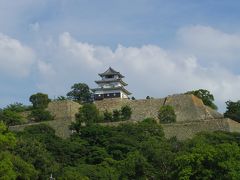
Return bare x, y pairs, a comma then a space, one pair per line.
110, 86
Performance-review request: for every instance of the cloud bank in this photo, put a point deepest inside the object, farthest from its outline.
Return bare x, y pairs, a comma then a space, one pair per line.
200, 61
16, 59
203, 57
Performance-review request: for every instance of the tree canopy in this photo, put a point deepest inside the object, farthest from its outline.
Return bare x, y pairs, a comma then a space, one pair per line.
233, 110
166, 114
206, 97
128, 151
80, 93
39, 100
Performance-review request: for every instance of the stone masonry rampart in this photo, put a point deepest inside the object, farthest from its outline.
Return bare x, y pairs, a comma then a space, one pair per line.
192, 115
187, 107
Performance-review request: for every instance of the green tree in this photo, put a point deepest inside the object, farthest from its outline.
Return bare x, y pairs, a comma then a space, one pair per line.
166, 114
135, 166
6, 167
96, 155
116, 115
41, 115
71, 173
17, 107
126, 112
39, 100
206, 161
101, 171
11, 118
161, 155
233, 110
23, 169
11, 166
87, 115
35, 153
39, 129
205, 96
7, 139
108, 116
80, 93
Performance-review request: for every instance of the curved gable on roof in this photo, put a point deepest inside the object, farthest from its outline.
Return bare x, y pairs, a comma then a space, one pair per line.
111, 71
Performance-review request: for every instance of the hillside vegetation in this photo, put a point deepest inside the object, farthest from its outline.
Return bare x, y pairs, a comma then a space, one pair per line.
127, 151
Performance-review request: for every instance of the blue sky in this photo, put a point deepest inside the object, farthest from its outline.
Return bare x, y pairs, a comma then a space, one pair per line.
162, 47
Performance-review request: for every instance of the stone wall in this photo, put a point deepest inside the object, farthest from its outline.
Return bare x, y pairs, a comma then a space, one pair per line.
61, 127
192, 115
187, 107
187, 130
63, 110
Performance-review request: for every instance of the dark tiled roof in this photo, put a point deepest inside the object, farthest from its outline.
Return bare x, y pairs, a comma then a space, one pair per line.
111, 71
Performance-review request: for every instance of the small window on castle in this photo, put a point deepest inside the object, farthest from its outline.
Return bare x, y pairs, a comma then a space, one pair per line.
109, 76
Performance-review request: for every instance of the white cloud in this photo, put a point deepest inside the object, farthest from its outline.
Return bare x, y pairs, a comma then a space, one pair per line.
210, 45
149, 70
15, 58
45, 69
78, 52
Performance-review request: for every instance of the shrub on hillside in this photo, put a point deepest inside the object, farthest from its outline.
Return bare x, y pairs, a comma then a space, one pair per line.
108, 116
17, 107
116, 115
11, 118
88, 113
41, 115
126, 112
166, 114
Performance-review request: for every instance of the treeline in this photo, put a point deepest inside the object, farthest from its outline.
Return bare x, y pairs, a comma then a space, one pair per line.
129, 151
17, 113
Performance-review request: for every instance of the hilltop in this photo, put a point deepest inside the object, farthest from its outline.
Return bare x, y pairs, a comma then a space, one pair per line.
192, 116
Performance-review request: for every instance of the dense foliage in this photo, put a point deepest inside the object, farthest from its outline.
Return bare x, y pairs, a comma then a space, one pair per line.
128, 151
89, 114
11, 118
41, 115
12, 166
17, 107
233, 110
116, 115
80, 93
126, 112
12, 114
206, 97
39, 100
166, 114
